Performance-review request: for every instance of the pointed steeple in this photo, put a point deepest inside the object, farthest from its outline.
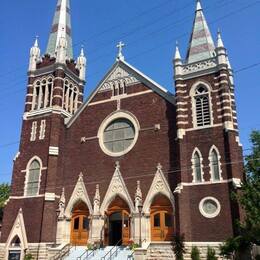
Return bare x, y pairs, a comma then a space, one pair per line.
61, 28
201, 45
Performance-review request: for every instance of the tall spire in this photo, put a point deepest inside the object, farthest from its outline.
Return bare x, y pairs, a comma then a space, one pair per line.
61, 28
201, 45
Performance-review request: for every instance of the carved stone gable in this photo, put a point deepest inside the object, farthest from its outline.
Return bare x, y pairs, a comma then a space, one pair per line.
79, 194
19, 231
117, 187
118, 77
159, 185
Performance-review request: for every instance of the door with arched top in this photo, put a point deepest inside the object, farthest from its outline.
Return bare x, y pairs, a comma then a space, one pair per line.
162, 222
80, 225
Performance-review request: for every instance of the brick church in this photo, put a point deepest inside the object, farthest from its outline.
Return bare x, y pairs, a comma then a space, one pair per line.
133, 162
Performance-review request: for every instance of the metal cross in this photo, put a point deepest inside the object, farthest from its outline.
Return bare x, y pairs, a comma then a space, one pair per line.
120, 46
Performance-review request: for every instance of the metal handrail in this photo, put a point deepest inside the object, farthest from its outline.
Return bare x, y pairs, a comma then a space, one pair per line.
109, 253
89, 252
64, 251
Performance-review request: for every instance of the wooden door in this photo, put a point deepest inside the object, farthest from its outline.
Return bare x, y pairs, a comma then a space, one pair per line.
161, 225
125, 227
79, 229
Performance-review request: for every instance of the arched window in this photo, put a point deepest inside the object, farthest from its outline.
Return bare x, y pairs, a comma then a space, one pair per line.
214, 165
42, 93
202, 106
197, 166
33, 179
15, 250
70, 97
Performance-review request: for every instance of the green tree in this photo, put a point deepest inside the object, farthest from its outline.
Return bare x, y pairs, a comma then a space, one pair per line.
249, 198
4, 195
250, 194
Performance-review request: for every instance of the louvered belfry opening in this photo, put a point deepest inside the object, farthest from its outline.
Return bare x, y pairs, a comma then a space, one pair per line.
202, 106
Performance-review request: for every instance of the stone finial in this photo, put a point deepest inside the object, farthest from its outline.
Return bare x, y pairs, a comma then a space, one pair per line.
159, 167
117, 165
97, 200
35, 54
81, 64
138, 196
62, 204
62, 47
177, 55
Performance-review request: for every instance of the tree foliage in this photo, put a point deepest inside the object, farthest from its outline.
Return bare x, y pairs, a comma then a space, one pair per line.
250, 195
249, 198
211, 254
178, 246
4, 195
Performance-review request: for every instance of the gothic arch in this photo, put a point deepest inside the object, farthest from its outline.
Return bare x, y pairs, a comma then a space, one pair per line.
38, 159
196, 150
214, 148
159, 186
18, 230
193, 95
79, 194
117, 187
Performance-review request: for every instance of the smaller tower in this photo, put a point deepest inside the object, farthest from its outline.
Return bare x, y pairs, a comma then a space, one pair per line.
207, 135
35, 54
81, 65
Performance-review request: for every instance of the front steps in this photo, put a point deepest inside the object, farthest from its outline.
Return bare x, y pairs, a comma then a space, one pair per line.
123, 253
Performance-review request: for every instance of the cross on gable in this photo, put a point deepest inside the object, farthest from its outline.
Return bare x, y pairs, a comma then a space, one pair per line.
120, 47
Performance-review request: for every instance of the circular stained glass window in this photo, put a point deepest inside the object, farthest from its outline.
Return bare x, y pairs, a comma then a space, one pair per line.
119, 135
209, 207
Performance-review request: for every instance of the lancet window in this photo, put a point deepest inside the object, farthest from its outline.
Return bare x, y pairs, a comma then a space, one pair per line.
42, 93
70, 97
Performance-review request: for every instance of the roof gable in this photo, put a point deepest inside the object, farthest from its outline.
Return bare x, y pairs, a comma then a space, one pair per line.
122, 70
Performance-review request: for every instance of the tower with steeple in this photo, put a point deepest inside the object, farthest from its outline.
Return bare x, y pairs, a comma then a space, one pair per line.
207, 134
133, 163
54, 93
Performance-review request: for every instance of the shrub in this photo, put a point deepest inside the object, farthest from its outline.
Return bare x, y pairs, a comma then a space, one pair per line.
28, 257
211, 254
178, 246
195, 253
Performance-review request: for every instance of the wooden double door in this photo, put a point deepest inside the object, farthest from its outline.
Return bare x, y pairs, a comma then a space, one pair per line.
162, 225
79, 226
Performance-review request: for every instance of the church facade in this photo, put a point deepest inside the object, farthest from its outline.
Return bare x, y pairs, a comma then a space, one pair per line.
133, 162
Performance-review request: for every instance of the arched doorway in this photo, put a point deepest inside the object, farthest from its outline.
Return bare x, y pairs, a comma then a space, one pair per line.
117, 226
79, 224
15, 251
162, 222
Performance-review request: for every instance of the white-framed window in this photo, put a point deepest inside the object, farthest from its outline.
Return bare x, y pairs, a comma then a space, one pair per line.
209, 207
197, 166
33, 131
33, 174
118, 133
215, 165
70, 97
42, 129
15, 249
201, 105
42, 93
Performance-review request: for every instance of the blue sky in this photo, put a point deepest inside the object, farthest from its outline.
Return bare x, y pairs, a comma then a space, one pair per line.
149, 28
